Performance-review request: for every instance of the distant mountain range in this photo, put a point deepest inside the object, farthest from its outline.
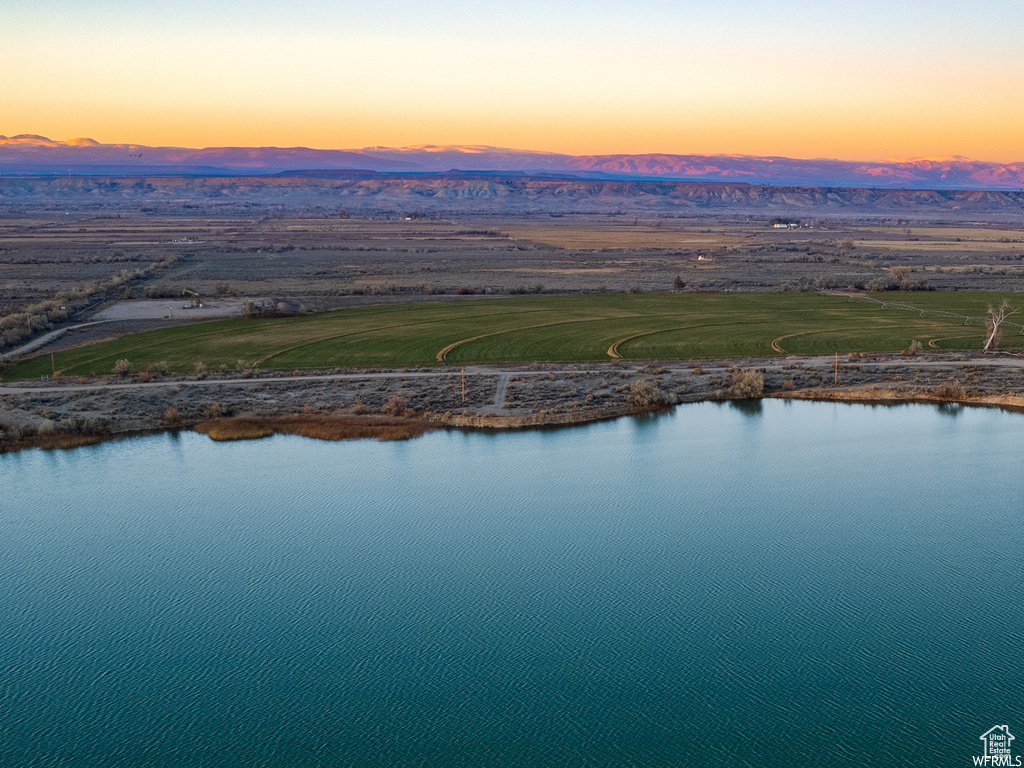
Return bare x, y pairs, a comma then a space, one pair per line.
27, 154
371, 193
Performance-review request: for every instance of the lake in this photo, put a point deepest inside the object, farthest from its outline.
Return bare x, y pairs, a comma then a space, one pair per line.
795, 584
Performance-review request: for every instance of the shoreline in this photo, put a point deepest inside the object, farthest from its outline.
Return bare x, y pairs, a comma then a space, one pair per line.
404, 403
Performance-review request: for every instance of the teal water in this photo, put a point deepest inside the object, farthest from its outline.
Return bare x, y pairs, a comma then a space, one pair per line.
803, 584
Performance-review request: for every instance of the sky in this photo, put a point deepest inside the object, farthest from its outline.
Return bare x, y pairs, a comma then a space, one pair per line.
858, 80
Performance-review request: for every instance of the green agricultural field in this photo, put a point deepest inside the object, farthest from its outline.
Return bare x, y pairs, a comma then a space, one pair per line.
549, 328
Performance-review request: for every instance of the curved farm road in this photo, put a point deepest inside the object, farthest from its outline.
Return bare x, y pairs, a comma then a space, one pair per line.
364, 332
46, 338
778, 347
442, 356
613, 350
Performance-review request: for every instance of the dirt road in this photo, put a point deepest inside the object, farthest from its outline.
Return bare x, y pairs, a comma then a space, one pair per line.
46, 338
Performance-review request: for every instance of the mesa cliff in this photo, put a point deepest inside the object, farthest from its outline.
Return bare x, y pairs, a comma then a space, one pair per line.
375, 193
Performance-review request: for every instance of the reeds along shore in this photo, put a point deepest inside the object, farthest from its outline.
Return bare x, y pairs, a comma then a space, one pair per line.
319, 427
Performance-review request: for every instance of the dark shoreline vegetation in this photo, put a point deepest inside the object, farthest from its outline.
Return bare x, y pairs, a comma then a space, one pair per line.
882, 380
337, 428
319, 427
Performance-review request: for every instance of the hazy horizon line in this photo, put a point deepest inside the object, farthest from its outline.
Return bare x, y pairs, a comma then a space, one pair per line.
463, 147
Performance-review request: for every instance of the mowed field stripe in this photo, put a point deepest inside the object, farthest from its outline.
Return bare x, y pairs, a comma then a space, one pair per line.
442, 356
121, 352
613, 350
778, 347
934, 342
365, 331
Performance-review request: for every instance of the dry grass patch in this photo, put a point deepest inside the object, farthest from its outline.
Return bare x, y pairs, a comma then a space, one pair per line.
939, 245
319, 427
51, 442
964, 233
583, 237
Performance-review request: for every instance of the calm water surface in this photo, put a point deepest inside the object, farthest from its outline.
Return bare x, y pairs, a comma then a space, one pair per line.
803, 585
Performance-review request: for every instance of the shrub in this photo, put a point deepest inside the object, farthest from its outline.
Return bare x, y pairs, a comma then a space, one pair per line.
644, 394
123, 368
171, 416
949, 390
901, 276
395, 406
882, 284
746, 385
915, 347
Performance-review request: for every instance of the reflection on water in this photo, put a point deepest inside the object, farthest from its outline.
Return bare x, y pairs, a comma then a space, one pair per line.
747, 407
950, 409
779, 583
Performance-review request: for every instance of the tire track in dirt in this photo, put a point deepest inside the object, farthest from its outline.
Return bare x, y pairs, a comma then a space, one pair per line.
442, 356
374, 330
217, 332
778, 347
613, 350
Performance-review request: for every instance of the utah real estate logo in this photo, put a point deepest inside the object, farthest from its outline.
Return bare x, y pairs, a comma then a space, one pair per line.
997, 748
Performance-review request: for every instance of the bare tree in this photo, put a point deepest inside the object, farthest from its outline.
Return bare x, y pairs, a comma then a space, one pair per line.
996, 316
901, 274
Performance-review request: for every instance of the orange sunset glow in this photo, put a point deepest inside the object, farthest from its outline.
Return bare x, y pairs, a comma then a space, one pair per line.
733, 81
